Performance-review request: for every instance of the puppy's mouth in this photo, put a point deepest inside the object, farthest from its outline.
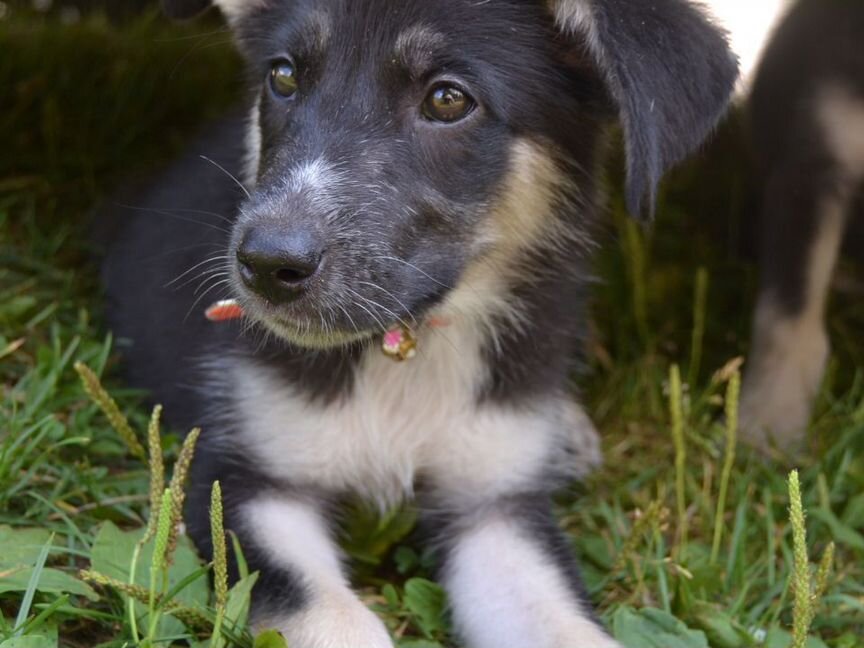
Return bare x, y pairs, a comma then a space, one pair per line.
315, 337
398, 341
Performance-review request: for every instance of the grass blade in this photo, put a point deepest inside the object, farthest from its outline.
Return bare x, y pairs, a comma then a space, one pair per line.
30, 592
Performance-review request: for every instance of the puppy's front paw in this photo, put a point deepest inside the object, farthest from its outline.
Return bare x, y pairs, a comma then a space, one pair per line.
333, 621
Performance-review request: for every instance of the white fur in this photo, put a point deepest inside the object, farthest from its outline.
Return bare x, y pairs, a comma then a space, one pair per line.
295, 537
233, 9
842, 117
783, 375
408, 420
314, 176
789, 353
577, 16
318, 181
506, 593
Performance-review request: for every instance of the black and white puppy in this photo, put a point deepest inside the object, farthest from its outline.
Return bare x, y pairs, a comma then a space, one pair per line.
807, 120
428, 166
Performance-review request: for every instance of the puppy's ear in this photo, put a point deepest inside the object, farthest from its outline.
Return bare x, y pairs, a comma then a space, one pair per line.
669, 71
184, 9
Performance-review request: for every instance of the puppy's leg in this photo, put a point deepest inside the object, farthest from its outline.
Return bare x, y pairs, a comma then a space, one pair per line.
295, 538
302, 590
512, 580
805, 214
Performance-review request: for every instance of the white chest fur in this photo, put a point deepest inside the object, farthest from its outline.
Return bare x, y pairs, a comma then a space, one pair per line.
403, 421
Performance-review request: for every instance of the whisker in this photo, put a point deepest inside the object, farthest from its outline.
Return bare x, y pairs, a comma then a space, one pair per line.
185, 248
204, 294
373, 316
202, 212
394, 297
169, 214
213, 277
350, 319
373, 303
411, 265
221, 257
206, 275
229, 174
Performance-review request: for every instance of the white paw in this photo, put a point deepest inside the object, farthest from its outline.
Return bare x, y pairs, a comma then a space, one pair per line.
781, 383
334, 621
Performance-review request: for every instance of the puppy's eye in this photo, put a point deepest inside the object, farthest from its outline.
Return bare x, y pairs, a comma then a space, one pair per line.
283, 78
447, 103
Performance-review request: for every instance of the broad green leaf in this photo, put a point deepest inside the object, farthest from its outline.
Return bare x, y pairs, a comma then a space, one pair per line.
419, 643
21, 546
426, 601
721, 630
34, 641
371, 535
50, 580
239, 597
45, 637
270, 639
390, 595
406, 559
596, 549
112, 555
650, 628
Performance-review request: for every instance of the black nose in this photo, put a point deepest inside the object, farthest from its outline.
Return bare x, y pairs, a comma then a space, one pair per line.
278, 264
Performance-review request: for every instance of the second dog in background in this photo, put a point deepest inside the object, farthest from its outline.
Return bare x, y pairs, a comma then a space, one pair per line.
806, 115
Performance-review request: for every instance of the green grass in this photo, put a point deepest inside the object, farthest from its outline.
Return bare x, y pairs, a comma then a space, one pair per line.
85, 107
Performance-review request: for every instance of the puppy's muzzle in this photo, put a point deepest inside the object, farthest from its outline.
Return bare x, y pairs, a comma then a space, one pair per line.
278, 265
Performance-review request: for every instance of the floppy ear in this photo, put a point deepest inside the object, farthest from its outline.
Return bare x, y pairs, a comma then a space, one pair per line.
669, 71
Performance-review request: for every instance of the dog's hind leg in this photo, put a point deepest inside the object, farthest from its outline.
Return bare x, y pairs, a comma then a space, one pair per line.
512, 579
806, 218
807, 201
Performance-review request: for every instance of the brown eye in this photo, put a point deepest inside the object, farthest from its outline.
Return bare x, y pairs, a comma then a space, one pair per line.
447, 103
283, 79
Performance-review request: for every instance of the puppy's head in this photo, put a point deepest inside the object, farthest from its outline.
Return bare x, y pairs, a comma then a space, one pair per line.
395, 147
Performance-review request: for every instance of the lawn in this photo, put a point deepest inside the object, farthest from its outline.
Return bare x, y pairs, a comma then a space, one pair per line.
684, 535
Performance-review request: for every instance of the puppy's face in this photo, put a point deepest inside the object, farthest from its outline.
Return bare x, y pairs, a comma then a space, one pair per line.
386, 139
397, 147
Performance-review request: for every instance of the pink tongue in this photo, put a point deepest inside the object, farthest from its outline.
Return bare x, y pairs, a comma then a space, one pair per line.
223, 311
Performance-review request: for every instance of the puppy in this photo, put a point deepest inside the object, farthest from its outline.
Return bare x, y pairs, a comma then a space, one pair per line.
807, 121
420, 175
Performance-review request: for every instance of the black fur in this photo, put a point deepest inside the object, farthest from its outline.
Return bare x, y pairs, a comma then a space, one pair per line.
669, 73
818, 43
